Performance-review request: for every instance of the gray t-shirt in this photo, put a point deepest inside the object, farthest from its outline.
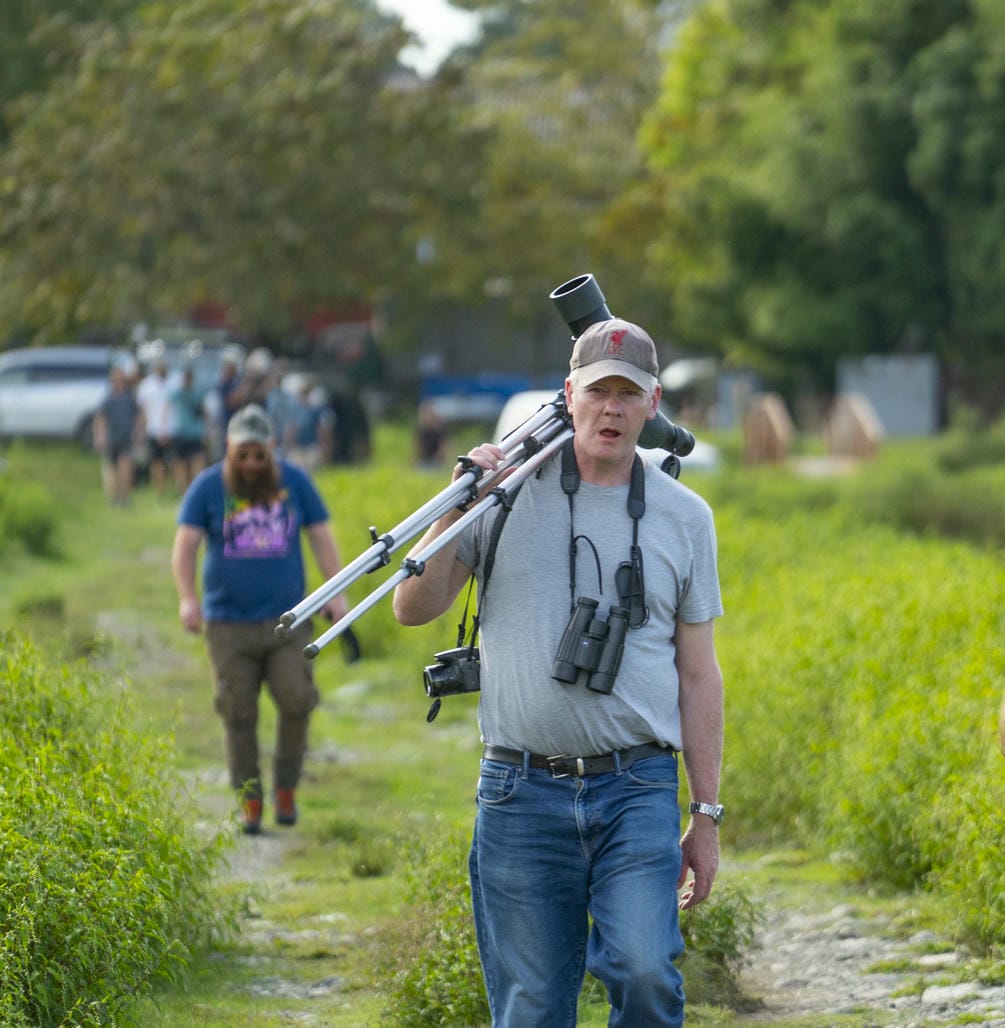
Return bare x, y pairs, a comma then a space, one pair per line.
528, 604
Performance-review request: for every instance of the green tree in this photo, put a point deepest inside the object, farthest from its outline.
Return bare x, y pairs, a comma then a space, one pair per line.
797, 149
261, 152
31, 35
554, 95
958, 105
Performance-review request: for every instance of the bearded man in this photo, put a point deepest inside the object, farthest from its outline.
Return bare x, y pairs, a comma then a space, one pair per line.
250, 509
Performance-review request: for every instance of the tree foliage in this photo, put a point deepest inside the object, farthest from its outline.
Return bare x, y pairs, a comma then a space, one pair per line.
30, 31
780, 181
818, 196
260, 152
556, 93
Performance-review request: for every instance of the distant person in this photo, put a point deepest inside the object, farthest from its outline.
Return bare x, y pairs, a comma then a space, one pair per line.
351, 426
430, 437
361, 362
310, 427
188, 433
255, 380
154, 397
116, 427
220, 406
250, 509
280, 404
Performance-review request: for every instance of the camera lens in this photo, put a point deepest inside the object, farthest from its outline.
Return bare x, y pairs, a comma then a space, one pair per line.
437, 677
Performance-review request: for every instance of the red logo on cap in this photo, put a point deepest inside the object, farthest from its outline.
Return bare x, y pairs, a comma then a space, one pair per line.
617, 341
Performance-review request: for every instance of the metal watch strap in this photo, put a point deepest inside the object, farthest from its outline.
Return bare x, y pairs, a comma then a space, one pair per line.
714, 811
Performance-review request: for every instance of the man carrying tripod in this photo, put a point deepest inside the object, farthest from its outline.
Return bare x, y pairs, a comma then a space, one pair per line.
597, 666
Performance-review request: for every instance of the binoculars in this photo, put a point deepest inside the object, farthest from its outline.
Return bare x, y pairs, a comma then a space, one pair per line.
592, 645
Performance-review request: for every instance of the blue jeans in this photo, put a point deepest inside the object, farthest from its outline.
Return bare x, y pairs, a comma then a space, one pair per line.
548, 854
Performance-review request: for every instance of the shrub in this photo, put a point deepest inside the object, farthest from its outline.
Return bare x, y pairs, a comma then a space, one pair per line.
967, 505
719, 934
868, 666
105, 893
968, 446
436, 977
27, 516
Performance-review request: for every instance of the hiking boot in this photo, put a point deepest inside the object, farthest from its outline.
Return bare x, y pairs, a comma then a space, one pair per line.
251, 816
286, 807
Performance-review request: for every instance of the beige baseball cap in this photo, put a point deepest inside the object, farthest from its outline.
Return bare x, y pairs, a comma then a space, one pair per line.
249, 425
614, 347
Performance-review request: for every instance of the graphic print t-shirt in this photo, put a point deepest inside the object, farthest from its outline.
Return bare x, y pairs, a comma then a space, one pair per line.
253, 569
254, 530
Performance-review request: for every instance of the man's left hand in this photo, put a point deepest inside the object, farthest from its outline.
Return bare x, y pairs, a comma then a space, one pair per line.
700, 858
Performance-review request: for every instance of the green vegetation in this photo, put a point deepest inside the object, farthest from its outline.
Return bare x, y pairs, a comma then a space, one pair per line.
26, 517
106, 893
868, 662
863, 657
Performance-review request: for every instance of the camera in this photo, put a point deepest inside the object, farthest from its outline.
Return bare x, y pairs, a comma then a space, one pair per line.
457, 671
592, 645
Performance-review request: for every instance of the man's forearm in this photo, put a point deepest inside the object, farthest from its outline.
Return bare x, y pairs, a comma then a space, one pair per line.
422, 598
701, 718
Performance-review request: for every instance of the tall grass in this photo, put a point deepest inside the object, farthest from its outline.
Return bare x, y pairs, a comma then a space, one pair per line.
105, 893
865, 666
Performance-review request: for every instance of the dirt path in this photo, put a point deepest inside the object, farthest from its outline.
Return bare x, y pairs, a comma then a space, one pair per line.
812, 963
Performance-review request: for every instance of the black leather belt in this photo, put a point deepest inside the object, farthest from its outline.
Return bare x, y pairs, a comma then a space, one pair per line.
564, 766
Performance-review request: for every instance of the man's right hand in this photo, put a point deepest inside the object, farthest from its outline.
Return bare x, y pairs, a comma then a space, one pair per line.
190, 613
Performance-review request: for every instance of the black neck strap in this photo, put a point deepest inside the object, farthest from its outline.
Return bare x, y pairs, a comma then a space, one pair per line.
636, 507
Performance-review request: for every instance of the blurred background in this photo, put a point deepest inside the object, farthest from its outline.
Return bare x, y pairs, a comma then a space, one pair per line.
801, 199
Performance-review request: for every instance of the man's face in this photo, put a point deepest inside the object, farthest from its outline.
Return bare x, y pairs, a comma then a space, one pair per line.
249, 460
608, 416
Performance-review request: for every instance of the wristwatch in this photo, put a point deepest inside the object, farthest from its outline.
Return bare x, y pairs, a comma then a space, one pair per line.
715, 812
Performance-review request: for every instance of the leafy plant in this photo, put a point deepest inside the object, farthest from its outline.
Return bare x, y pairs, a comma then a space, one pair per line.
27, 516
105, 890
437, 975
719, 934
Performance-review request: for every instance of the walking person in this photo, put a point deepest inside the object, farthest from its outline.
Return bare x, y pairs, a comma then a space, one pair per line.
116, 426
310, 427
221, 405
189, 430
249, 510
577, 859
154, 397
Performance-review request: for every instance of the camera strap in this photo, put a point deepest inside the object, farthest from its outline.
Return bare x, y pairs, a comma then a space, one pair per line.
487, 565
490, 557
629, 578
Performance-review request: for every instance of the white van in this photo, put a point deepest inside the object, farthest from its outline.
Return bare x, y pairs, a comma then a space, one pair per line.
52, 392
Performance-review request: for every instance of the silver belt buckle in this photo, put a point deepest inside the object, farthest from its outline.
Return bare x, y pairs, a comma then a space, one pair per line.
555, 773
